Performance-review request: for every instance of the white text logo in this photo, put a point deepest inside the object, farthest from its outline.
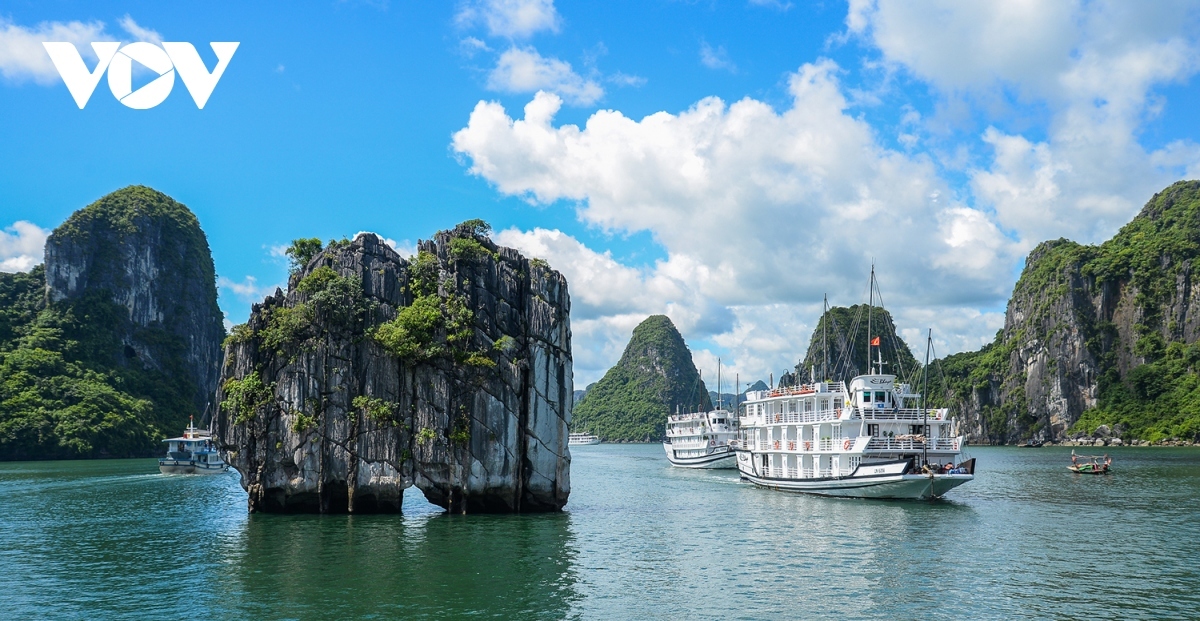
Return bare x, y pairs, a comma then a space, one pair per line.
164, 61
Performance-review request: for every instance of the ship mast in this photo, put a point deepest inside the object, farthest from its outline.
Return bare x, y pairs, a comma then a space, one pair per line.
718, 383
825, 341
870, 306
924, 390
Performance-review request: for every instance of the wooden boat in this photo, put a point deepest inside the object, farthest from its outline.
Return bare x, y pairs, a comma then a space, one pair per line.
1031, 444
1089, 464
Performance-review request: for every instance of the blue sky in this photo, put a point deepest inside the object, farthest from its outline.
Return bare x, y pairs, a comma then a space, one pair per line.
726, 163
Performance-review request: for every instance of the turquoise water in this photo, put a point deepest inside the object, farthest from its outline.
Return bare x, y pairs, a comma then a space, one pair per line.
639, 540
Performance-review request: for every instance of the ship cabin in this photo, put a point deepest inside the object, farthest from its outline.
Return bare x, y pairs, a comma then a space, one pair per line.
827, 429
699, 431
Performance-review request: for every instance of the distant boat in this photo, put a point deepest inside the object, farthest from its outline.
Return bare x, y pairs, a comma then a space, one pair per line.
1089, 464
582, 439
192, 453
1030, 444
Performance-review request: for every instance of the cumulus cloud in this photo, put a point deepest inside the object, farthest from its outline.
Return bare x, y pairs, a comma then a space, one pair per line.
760, 212
523, 70
1092, 66
22, 56
21, 246
511, 18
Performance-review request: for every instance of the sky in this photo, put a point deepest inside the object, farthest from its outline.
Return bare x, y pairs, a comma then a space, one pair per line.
727, 163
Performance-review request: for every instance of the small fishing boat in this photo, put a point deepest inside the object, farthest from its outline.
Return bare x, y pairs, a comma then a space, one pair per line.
581, 439
1089, 464
192, 453
1030, 444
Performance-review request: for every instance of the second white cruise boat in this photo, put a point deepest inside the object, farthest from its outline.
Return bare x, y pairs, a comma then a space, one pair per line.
701, 439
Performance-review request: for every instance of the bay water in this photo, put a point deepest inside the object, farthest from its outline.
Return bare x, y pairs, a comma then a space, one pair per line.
114, 539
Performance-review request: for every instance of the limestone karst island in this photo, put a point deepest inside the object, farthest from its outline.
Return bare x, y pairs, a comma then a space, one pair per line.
542, 310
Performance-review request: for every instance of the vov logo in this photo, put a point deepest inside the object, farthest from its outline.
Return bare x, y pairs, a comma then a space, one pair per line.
165, 61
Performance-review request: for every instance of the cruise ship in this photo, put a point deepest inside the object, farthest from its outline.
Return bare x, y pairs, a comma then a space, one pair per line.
701, 439
871, 438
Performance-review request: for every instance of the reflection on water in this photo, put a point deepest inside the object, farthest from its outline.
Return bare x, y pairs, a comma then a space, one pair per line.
113, 539
434, 566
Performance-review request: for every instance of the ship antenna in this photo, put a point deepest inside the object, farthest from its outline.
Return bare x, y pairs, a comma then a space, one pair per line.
870, 304
924, 410
719, 403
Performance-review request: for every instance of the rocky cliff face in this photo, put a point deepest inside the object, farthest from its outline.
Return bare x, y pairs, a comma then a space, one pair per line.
372, 373
144, 252
654, 377
1094, 335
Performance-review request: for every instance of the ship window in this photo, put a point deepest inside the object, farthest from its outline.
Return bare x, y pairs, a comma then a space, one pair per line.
873, 430
866, 396
880, 397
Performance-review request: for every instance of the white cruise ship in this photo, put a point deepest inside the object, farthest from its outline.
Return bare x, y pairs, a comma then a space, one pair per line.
866, 440
701, 439
581, 439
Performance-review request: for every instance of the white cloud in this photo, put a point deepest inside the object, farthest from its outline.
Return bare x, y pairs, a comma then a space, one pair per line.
523, 70
716, 58
139, 33
470, 46
22, 56
760, 212
511, 18
248, 290
625, 79
778, 5
21, 246
1092, 66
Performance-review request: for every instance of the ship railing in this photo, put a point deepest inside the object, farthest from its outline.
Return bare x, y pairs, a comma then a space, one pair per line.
913, 414
776, 472
816, 416
764, 446
894, 444
825, 444
825, 472
792, 473
806, 473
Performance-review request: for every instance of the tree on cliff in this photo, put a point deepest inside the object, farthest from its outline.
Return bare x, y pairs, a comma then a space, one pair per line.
654, 376
116, 340
1094, 335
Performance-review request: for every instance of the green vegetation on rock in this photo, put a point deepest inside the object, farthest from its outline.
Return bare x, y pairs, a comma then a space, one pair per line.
654, 376
1112, 320
78, 376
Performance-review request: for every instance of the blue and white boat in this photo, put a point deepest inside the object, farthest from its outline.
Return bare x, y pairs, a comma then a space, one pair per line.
192, 453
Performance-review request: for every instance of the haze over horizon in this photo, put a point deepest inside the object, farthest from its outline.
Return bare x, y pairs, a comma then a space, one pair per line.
724, 163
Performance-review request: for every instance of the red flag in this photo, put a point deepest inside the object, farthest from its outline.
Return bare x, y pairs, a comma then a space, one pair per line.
875, 342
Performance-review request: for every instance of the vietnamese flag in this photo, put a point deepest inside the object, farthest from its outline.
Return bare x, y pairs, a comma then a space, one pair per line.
875, 342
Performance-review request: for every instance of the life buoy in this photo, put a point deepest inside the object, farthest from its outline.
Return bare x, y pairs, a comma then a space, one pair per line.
712, 442
846, 445
808, 446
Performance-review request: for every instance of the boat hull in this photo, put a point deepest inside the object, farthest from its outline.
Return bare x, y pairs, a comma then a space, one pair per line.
877, 480
187, 467
718, 459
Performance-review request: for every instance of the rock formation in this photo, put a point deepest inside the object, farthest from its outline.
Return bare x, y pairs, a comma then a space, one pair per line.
145, 252
116, 340
654, 377
373, 373
1095, 336
844, 353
